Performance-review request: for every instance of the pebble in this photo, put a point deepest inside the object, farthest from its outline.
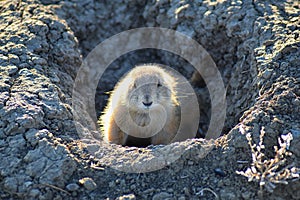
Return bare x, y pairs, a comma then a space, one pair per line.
220, 172
133, 187
11, 184
296, 102
170, 190
227, 194
12, 69
34, 193
186, 191
72, 187
246, 195
28, 183
3, 59
111, 184
267, 73
284, 65
148, 191
161, 195
190, 162
13, 59
88, 183
127, 197
39, 61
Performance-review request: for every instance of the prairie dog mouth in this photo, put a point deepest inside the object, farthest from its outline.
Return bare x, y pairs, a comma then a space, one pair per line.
148, 104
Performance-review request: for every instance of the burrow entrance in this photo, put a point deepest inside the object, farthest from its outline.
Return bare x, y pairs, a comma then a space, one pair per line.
230, 53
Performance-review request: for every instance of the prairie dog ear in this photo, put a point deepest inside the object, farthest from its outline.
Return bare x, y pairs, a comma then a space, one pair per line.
122, 87
168, 79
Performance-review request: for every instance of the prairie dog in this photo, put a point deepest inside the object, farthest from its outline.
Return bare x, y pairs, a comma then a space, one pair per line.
142, 106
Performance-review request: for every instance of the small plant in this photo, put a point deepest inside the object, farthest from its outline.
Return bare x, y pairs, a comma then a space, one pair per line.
268, 172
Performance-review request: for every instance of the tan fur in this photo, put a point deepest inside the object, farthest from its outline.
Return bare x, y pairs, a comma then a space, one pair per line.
145, 92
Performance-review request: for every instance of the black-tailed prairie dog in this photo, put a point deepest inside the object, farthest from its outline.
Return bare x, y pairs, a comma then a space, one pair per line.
142, 108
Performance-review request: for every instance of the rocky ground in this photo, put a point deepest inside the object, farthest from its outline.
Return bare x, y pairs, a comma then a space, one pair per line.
255, 45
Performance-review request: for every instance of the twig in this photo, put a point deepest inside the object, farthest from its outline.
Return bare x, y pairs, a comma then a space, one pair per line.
94, 166
242, 161
54, 187
209, 190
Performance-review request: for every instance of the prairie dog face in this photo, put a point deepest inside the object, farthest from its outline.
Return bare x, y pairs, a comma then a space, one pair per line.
149, 88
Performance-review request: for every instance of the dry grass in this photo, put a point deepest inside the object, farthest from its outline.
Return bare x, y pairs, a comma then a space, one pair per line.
269, 172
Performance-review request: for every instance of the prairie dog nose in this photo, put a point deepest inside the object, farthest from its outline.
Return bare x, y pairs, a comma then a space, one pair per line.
147, 97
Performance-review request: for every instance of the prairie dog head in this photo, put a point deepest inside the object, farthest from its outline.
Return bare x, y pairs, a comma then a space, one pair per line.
148, 87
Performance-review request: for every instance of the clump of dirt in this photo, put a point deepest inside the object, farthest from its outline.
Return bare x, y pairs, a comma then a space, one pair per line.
255, 46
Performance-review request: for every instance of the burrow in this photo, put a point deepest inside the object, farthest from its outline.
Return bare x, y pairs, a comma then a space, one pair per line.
225, 37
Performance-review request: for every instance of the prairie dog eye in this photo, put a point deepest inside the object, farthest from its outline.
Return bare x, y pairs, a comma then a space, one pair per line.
159, 84
134, 85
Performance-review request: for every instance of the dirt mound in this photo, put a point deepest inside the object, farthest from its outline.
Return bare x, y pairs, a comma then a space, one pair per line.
255, 46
